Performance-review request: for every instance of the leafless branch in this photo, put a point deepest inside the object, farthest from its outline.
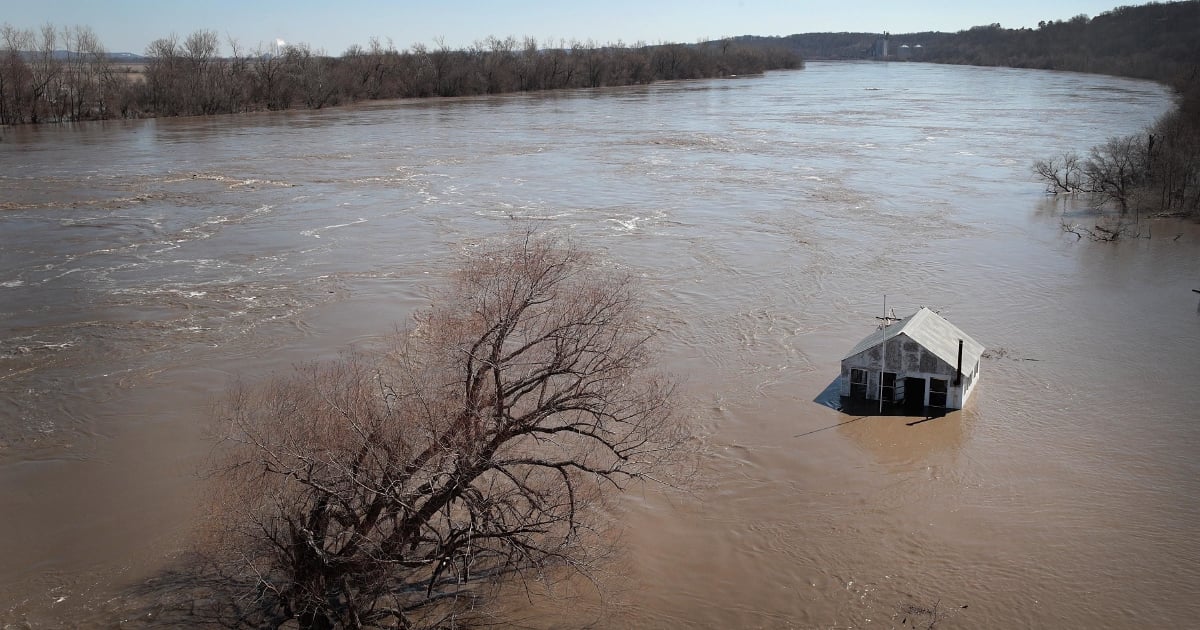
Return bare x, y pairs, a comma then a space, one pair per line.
394, 487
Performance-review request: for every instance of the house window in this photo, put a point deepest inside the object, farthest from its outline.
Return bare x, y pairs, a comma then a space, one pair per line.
937, 392
889, 387
858, 383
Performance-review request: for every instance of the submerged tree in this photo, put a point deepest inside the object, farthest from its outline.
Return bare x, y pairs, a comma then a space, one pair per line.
1061, 175
387, 490
1155, 173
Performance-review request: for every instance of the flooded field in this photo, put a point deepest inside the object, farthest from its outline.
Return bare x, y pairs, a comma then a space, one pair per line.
145, 264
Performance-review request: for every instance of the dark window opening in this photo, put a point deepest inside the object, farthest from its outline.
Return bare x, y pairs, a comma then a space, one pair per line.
858, 383
938, 389
889, 387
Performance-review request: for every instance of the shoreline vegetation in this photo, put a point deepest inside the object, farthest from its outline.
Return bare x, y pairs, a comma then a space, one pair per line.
65, 74
59, 75
55, 75
1154, 173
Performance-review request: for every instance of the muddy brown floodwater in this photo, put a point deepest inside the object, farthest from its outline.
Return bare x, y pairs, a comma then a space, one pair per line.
143, 264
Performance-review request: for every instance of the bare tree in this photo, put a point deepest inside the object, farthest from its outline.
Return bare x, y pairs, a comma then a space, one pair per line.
45, 69
200, 53
1061, 175
309, 72
388, 491
447, 70
86, 75
235, 79
273, 86
596, 66
15, 75
371, 73
164, 76
1116, 168
503, 66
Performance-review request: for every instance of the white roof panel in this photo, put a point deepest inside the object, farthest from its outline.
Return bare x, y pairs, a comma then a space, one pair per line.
930, 330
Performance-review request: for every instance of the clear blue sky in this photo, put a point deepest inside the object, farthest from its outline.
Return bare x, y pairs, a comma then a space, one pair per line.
333, 25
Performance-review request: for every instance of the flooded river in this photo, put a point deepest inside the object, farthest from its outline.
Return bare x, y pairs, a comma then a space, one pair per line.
144, 264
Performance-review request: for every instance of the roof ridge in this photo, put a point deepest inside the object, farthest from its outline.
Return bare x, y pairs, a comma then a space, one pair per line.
926, 327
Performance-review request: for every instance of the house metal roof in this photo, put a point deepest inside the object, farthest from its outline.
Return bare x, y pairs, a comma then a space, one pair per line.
930, 330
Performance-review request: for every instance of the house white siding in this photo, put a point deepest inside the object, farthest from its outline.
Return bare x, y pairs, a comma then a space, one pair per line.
899, 350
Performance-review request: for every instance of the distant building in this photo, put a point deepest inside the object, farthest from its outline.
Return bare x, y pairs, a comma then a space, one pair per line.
904, 52
920, 361
880, 50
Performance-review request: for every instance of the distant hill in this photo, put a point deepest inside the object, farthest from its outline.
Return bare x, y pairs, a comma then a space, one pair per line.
846, 45
1152, 41
127, 57
63, 55
1158, 41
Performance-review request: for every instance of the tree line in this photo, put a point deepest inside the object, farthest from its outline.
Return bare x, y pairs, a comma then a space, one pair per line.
1156, 41
1156, 171
60, 75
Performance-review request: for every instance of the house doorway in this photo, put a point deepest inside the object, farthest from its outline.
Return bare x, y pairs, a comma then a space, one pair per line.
914, 394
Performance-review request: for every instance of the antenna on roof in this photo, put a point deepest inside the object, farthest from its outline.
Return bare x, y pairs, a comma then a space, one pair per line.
883, 360
886, 320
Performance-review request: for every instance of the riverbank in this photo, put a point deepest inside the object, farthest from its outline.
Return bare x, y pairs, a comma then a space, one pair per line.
190, 77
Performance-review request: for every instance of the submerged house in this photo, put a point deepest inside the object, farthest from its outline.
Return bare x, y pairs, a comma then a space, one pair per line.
919, 361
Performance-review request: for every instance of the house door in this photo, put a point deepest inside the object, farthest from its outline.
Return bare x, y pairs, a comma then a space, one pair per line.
914, 394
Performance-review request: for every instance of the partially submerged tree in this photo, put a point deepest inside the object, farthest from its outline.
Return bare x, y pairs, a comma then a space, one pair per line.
1155, 173
386, 490
1061, 175
1116, 168
1112, 171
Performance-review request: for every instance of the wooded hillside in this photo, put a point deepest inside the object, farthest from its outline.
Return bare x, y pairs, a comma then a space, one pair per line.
1159, 41
1153, 41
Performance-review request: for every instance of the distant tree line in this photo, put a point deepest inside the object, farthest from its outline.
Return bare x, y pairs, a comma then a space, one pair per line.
54, 74
843, 46
57, 75
1156, 171
1159, 41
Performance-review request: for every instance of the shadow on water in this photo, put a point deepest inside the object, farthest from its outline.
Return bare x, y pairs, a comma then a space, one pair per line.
193, 591
900, 437
831, 397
